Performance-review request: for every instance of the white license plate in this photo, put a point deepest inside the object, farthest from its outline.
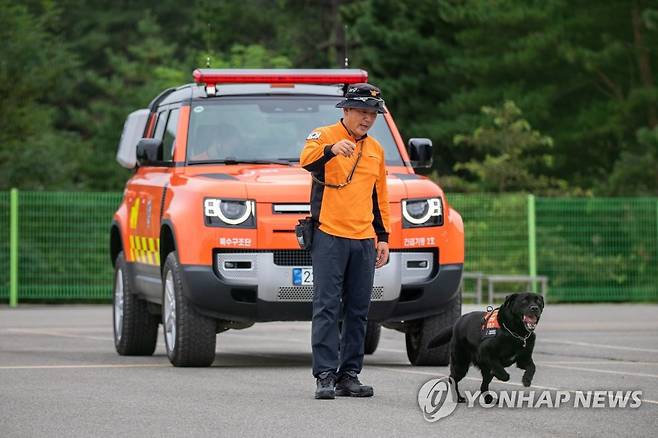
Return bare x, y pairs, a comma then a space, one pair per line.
302, 276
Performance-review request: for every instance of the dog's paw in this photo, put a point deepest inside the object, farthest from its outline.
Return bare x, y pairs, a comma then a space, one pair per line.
488, 398
503, 377
526, 380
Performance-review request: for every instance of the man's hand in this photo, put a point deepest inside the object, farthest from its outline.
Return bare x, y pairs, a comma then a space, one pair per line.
382, 254
344, 148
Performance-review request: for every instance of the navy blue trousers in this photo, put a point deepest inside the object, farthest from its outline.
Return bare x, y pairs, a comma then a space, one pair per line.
343, 275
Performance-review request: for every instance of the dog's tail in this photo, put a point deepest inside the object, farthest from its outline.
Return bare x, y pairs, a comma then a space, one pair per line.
443, 337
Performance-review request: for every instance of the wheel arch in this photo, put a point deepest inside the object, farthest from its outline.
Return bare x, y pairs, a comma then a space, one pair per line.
116, 244
167, 242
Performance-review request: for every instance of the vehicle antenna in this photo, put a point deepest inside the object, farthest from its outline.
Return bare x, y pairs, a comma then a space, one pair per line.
347, 60
208, 45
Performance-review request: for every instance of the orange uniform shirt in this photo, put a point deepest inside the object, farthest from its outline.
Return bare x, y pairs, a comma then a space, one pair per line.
360, 209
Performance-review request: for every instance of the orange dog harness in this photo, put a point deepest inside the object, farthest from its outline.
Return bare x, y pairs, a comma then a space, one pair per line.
490, 324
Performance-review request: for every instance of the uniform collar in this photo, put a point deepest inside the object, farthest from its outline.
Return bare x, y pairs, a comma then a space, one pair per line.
347, 131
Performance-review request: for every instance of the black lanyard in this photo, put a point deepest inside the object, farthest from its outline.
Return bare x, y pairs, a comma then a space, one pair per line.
349, 177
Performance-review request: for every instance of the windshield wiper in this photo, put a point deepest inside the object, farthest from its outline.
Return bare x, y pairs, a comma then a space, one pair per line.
241, 161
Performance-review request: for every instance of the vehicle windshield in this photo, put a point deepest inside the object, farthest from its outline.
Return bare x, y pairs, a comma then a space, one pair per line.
262, 129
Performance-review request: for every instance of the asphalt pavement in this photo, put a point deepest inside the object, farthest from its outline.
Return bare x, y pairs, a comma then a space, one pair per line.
60, 376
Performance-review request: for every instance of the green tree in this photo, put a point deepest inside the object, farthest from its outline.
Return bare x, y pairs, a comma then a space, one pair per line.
608, 47
404, 45
35, 70
636, 171
309, 33
582, 71
240, 56
510, 154
138, 74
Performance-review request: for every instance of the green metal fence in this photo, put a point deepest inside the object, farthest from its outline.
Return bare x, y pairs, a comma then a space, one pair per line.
592, 249
63, 246
599, 249
496, 229
4, 245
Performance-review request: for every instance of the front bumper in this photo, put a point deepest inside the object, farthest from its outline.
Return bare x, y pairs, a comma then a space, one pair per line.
265, 293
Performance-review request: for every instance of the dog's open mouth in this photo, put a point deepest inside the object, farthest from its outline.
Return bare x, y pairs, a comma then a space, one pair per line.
530, 321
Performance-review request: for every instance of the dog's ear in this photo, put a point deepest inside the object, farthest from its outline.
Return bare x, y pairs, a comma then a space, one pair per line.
509, 299
541, 301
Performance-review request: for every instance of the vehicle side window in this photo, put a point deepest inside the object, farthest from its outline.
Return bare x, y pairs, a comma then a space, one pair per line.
170, 136
160, 124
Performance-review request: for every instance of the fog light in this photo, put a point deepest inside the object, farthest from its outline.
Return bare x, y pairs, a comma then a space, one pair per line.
417, 264
237, 265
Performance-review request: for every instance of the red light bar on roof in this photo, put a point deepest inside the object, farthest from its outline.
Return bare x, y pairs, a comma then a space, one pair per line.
210, 77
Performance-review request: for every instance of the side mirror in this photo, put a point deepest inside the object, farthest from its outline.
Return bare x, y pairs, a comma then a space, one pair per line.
133, 130
149, 151
420, 153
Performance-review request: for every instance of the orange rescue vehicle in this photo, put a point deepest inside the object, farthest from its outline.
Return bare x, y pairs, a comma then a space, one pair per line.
204, 241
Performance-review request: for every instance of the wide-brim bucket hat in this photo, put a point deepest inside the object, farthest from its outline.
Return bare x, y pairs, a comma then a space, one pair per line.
363, 96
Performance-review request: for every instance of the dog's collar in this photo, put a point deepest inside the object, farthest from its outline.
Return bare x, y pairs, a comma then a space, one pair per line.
521, 338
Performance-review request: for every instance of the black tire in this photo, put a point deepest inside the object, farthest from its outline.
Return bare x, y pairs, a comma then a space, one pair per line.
193, 337
373, 331
135, 328
424, 330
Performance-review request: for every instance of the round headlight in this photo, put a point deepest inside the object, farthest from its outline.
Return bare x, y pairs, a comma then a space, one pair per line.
232, 209
230, 212
234, 212
417, 209
420, 211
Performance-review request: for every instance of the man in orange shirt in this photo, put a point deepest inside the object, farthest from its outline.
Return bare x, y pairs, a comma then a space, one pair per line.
349, 203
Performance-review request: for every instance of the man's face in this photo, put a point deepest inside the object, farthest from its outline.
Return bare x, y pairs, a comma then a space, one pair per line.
358, 120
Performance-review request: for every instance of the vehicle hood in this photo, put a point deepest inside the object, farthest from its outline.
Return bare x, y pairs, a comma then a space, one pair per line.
275, 183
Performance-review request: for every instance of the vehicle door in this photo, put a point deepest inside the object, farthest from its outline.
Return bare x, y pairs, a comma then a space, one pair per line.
149, 186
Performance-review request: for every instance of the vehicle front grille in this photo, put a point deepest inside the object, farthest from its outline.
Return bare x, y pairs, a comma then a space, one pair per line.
305, 293
299, 257
292, 257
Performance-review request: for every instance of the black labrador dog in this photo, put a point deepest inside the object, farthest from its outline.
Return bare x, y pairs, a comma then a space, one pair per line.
494, 340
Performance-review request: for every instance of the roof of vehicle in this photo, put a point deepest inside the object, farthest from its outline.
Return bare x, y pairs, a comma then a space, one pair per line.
194, 91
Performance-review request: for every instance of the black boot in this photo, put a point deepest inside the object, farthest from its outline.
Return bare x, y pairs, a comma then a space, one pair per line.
348, 385
325, 386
